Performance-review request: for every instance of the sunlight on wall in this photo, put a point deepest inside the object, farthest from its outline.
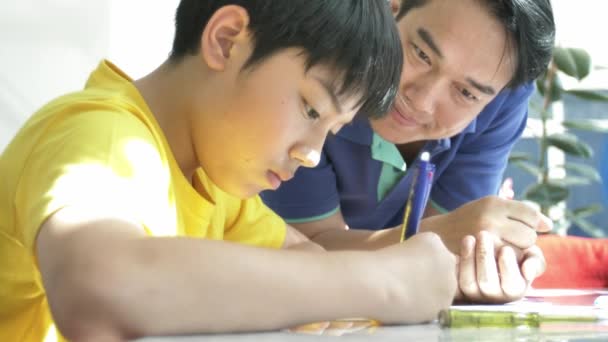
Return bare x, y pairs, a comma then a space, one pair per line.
583, 24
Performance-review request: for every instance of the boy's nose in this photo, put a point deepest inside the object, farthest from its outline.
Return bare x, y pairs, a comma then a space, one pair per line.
307, 157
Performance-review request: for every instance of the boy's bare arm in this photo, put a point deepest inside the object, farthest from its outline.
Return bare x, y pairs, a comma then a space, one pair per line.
104, 277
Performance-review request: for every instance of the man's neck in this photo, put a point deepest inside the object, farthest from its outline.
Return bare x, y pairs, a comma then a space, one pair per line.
409, 151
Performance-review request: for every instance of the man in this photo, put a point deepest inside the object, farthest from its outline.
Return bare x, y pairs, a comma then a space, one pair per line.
467, 76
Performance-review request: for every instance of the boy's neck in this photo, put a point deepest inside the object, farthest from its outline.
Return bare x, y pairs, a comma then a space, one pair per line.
166, 92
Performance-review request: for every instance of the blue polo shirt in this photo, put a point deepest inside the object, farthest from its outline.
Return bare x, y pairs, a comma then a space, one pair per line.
365, 177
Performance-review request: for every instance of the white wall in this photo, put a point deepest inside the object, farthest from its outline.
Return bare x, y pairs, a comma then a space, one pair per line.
48, 47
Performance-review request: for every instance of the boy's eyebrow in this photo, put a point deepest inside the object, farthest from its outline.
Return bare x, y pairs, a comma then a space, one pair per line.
428, 39
330, 89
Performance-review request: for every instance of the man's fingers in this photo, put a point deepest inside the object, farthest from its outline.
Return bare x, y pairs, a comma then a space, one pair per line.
519, 234
529, 214
512, 282
546, 224
487, 271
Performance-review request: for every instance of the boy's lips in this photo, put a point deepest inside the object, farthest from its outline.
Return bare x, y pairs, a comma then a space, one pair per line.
275, 179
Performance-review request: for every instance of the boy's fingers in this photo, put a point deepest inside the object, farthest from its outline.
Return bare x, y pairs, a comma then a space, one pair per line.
511, 280
467, 277
534, 264
487, 271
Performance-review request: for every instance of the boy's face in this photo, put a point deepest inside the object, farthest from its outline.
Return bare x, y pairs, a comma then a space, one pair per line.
267, 121
456, 60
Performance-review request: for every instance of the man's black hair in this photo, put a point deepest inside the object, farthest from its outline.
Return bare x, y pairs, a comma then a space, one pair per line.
356, 38
531, 31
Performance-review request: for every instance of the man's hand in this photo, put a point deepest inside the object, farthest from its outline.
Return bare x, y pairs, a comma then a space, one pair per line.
512, 222
487, 275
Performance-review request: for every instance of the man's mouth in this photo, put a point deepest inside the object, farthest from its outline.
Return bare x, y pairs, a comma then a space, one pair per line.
402, 119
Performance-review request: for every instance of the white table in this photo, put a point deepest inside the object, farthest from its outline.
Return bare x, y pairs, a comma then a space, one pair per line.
428, 332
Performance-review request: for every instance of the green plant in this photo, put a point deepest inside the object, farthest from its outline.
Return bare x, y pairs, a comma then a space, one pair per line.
549, 191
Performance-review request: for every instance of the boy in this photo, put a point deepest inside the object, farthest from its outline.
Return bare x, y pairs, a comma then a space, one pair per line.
115, 199
467, 76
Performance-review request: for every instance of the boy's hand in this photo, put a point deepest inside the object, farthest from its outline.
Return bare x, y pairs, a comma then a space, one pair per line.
495, 277
423, 270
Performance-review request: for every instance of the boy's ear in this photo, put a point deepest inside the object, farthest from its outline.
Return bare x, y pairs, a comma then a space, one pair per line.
226, 28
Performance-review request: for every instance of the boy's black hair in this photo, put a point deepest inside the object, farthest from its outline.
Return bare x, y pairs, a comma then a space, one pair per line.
356, 38
531, 30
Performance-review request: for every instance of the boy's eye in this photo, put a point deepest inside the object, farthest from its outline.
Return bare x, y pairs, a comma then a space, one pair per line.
423, 56
311, 113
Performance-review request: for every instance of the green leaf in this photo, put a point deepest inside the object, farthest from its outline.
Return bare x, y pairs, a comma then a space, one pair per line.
588, 95
572, 181
530, 168
561, 226
586, 211
519, 156
584, 170
546, 194
587, 125
556, 87
570, 144
572, 62
589, 228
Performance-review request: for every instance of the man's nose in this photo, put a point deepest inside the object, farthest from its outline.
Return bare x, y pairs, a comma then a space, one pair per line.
423, 94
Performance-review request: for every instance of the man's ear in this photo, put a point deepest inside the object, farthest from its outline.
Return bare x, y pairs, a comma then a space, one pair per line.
226, 28
395, 6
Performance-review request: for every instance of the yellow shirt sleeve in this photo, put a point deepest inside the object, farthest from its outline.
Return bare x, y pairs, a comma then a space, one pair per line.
256, 224
97, 158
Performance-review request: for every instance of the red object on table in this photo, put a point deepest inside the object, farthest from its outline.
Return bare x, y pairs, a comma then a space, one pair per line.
573, 262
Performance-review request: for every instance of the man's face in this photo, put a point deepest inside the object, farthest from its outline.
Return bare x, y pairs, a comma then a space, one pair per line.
456, 60
270, 120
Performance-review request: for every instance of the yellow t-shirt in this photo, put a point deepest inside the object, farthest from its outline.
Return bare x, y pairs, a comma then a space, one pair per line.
102, 146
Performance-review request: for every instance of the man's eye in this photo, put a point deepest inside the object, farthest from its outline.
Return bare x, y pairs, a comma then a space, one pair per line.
311, 113
468, 95
423, 56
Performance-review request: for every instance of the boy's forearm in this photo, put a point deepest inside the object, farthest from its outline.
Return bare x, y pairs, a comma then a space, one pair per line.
159, 286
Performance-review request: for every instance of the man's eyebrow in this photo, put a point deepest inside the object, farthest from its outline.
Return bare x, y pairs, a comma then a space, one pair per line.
428, 39
330, 89
488, 90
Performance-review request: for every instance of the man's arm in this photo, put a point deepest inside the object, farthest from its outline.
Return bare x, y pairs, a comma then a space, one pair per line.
512, 221
104, 277
333, 233
295, 240
489, 268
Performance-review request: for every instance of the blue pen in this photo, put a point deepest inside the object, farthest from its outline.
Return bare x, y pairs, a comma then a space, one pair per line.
420, 189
